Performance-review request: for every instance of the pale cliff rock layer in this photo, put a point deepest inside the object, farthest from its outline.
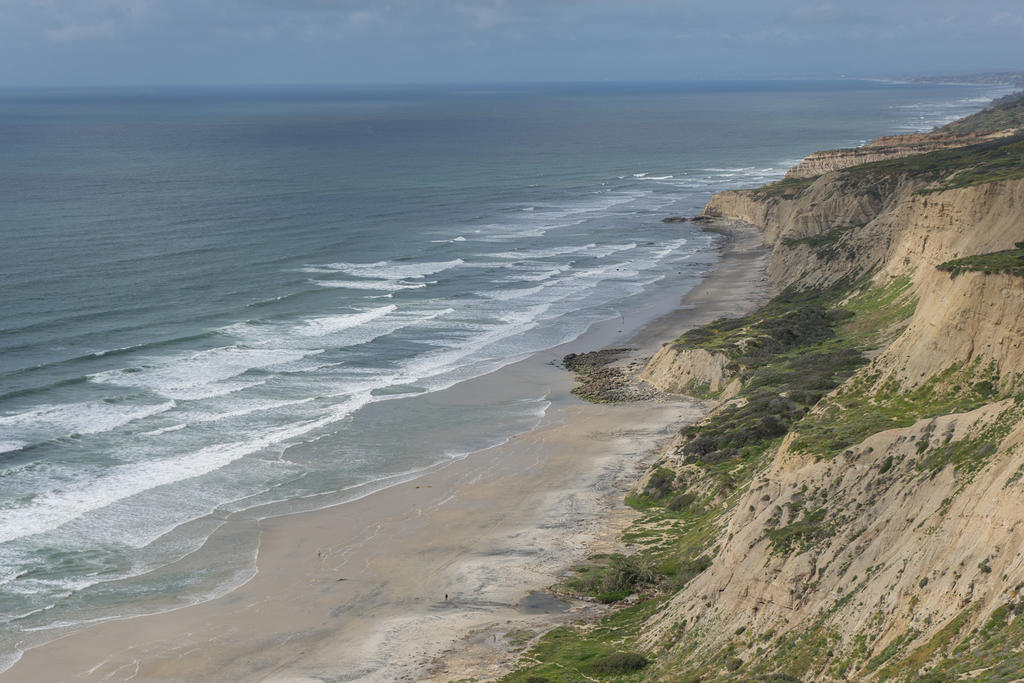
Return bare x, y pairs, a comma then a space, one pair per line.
884, 149
679, 371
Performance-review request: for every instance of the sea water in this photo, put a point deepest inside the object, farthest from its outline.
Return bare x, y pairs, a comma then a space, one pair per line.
219, 300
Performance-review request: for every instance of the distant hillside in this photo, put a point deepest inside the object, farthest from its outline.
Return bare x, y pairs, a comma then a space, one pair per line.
1004, 113
1014, 78
1003, 118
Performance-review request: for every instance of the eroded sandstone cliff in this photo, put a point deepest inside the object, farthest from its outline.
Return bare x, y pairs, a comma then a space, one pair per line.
885, 532
853, 508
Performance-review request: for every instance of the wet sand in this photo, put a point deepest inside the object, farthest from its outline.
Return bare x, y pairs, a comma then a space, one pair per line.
357, 591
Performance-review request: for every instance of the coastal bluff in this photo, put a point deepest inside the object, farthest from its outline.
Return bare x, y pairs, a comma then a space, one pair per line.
882, 553
850, 509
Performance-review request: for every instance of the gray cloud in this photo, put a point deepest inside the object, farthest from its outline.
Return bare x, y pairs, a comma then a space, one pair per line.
182, 41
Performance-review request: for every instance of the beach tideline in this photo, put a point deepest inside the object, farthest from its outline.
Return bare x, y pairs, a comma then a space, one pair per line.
357, 591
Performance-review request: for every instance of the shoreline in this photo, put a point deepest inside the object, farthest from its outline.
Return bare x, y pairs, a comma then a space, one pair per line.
356, 591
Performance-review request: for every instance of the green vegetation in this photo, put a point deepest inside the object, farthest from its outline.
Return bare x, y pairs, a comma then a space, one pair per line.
985, 162
865, 406
784, 189
801, 534
970, 455
570, 653
676, 537
890, 650
789, 354
920, 656
992, 654
794, 318
826, 245
1004, 113
612, 578
518, 638
619, 663
1009, 261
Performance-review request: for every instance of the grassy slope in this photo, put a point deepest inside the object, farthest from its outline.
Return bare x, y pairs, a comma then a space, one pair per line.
953, 168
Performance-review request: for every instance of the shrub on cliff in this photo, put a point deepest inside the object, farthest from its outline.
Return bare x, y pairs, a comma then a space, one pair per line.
660, 483
626, 573
619, 663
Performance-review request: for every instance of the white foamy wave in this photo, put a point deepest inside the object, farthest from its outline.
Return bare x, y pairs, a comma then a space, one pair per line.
389, 270
92, 417
553, 218
379, 285
339, 331
165, 430
525, 254
9, 446
669, 248
609, 249
498, 233
540, 277
576, 281
258, 406
202, 374
57, 507
319, 327
254, 407
509, 294
606, 272
8, 660
213, 390
460, 238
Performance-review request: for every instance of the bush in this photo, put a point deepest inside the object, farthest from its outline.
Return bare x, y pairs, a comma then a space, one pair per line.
660, 482
681, 501
625, 573
619, 663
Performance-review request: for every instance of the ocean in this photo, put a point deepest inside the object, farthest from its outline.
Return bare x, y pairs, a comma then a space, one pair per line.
218, 301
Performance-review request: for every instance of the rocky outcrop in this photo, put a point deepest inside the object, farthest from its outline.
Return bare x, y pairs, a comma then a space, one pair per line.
828, 202
698, 372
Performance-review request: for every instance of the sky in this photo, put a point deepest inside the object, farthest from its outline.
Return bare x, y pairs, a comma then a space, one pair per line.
223, 42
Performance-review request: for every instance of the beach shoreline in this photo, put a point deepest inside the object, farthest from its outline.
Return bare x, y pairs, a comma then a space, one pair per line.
422, 579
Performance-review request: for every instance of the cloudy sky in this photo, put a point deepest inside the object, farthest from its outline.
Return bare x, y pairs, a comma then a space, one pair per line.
117, 42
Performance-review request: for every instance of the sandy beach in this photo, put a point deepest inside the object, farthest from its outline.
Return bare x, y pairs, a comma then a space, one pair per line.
423, 580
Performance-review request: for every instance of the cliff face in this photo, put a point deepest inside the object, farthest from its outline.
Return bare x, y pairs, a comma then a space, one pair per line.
884, 148
840, 226
886, 529
688, 371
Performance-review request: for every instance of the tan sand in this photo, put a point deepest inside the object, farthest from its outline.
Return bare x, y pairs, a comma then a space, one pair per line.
357, 591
